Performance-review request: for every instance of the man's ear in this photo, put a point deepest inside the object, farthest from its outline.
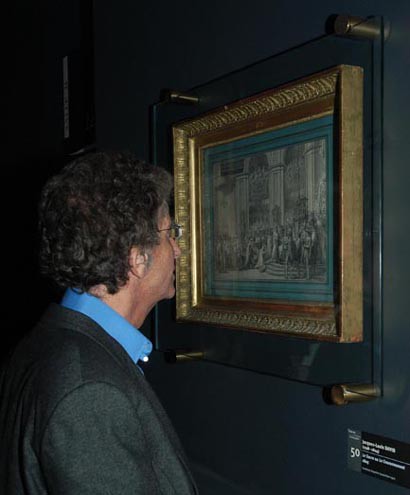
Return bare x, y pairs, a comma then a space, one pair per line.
138, 263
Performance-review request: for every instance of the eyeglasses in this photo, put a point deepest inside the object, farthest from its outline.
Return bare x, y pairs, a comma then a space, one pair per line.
175, 231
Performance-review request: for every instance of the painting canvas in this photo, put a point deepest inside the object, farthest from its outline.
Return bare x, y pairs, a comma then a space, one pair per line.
268, 218
265, 198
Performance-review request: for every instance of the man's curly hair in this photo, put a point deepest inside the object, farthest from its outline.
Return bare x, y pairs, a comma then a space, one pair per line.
93, 212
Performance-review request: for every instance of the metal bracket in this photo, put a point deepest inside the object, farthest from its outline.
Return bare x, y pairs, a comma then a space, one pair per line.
351, 26
182, 356
173, 96
341, 395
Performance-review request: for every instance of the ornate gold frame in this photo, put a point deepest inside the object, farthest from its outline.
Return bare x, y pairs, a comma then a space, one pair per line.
338, 91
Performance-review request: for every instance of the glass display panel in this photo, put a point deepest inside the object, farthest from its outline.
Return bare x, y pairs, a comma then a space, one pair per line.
242, 250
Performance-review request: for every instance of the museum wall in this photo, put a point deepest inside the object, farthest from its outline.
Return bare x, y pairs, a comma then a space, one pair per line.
246, 433
37, 36
250, 433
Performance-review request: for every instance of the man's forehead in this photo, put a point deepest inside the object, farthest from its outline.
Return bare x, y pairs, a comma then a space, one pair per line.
164, 221
163, 213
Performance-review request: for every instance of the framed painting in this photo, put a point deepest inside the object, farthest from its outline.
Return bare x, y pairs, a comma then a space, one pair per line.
268, 191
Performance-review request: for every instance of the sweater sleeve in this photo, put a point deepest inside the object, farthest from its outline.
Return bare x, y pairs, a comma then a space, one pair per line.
94, 444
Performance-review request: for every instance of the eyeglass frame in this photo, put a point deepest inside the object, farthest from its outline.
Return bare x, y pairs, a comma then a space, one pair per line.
176, 228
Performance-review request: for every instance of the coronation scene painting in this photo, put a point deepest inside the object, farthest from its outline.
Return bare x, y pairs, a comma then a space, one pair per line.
268, 215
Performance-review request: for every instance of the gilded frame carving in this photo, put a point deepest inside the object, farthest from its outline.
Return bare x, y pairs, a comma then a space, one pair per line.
335, 96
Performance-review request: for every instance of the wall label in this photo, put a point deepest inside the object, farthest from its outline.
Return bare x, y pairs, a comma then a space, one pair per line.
379, 456
66, 99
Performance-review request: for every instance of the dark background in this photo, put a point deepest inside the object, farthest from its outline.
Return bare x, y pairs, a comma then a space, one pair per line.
246, 433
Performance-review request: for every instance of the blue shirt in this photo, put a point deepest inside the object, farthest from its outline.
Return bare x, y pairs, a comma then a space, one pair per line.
137, 346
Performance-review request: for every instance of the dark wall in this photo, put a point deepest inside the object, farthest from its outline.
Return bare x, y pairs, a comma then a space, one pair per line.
37, 36
248, 433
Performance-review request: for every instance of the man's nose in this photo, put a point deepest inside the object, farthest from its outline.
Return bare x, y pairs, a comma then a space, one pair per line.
177, 249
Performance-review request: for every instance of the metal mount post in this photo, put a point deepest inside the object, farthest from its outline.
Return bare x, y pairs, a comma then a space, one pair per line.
182, 356
351, 26
173, 96
341, 395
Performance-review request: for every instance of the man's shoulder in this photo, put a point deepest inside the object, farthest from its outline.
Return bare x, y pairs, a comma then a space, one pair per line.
64, 351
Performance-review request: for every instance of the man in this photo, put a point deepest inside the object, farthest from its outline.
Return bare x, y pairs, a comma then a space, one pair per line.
76, 413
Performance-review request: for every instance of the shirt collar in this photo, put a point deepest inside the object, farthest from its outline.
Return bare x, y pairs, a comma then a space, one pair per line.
137, 346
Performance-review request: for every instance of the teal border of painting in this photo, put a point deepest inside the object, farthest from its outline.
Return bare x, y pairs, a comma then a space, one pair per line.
313, 129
